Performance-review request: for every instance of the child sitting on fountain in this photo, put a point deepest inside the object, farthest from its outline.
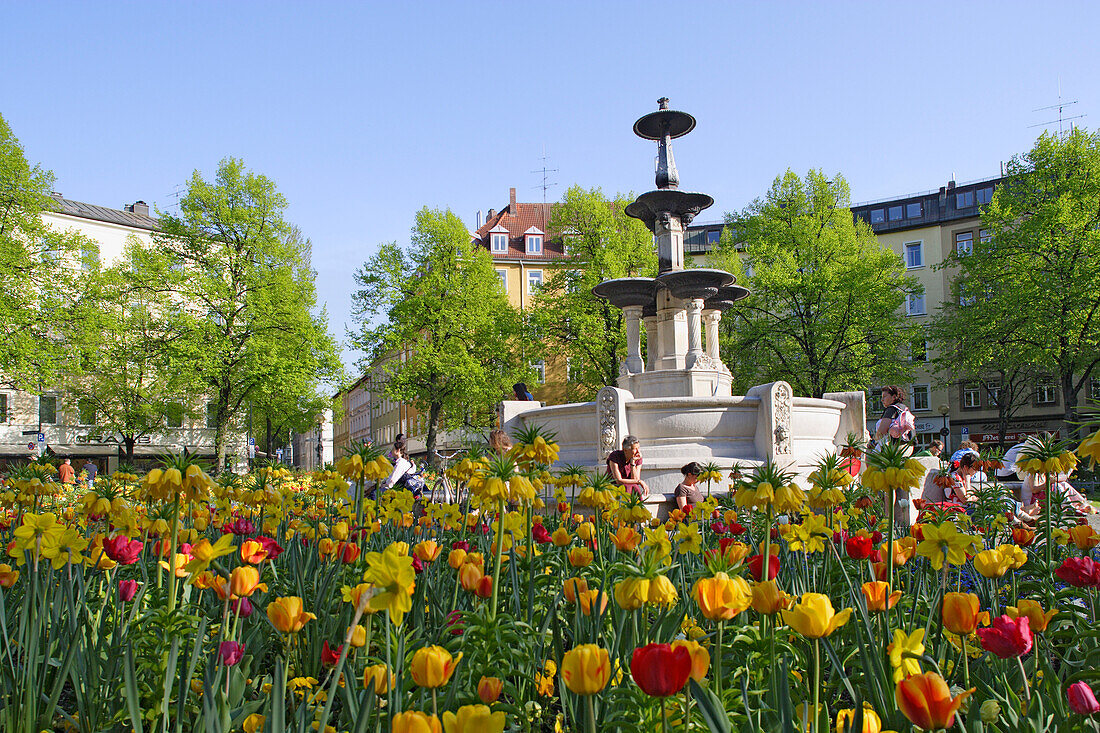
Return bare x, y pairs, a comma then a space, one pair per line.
687, 491
625, 467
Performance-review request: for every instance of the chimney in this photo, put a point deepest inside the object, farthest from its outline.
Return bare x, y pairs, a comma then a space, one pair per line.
478, 219
138, 207
512, 202
489, 217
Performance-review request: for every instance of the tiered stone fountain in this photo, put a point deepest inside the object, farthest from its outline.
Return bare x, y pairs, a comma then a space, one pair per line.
677, 399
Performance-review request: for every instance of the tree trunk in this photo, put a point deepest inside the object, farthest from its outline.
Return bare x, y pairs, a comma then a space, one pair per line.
433, 428
267, 440
129, 441
1069, 399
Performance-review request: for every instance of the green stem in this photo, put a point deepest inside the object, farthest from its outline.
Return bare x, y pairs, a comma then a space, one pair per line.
172, 554
718, 661
591, 713
817, 684
500, 553
664, 718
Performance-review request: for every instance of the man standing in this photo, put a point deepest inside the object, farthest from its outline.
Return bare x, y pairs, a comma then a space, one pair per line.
66, 473
90, 469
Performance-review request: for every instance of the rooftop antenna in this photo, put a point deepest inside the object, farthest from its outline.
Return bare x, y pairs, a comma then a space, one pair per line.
175, 194
544, 171
1061, 106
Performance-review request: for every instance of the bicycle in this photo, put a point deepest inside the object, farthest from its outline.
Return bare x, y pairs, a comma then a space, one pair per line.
442, 483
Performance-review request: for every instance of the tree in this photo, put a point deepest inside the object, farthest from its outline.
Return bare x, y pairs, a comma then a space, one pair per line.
450, 343
43, 299
603, 243
1034, 283
241, 274
288, 407
825, 309
128, 376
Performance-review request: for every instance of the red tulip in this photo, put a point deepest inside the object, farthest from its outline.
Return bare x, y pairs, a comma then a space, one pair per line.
756, 567
539, 534
737, 528
241, 607
1081, 699
858, 547
122, 549
240, 526
230, 652
127, 589
660, 670
460, 545
718, 528
1081, 572
349, 552
1007, 637
330, 656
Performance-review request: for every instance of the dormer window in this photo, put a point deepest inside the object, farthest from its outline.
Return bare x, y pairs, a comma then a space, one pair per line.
533, 240
498, 240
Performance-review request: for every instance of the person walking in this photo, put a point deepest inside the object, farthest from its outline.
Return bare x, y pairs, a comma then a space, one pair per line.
66, 473
90, 470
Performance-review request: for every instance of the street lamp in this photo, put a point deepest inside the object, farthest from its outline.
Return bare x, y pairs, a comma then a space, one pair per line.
944, 409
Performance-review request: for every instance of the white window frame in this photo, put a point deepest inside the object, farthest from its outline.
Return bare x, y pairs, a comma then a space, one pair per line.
540, 371
572, 373
1046, 393
503, 275
534, 281
965, 245
927, 389
533, 244
920, 254
971, 397
56, 408
909, 305
994, 395
498, 242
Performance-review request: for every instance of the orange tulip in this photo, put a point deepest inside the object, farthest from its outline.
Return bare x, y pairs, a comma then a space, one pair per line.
590, 598
427, 551
926, 700
432, 666
875, 593
1037, 618
700, 657
469, 576
287, 616
1023, 536
253, 552
768, 599
1084, 536
904, 550
721, 598
573, 587
962, 613
244, 580
626, 539
489, 689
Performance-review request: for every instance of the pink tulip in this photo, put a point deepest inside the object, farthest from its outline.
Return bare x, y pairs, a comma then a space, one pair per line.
1081, 699
126, 590
230, 652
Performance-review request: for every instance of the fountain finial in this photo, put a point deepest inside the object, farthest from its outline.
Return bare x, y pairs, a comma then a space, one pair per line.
662, 103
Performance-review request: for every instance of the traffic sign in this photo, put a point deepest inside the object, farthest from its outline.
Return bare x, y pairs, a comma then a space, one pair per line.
964, 432
41, 437
31, 446
945, 432
252, 451
251, 441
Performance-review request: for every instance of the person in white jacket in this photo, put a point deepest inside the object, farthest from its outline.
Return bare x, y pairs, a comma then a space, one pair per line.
402, 465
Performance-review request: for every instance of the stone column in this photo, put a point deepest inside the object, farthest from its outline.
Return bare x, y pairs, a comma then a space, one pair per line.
694, 331
633, 315
671, 331
669, 233
712, 318
651, 345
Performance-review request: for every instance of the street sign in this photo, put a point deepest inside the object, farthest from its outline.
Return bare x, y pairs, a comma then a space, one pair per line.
945, 432
41, 437
252, 441
964, 432
31, 446
252, 450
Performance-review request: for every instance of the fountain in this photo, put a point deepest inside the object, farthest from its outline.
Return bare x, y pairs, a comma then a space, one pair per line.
677, 399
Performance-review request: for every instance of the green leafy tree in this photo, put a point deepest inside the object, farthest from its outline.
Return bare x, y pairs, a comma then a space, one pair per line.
435, 321
44, 302
826, 306
128, 377
1033, 285
602, 243
242, 276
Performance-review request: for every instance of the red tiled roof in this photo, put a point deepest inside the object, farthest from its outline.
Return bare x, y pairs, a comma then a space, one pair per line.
527, 216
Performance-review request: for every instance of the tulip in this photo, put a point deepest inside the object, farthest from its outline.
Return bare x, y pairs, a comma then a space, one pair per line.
127, 589
1081, 699
358, 636
380, 677
903, 550
768, 599
414, 722
122, 549
875, 593
433, 666
473, 719
287, 616
484, 587
1037, 618
572, 587
427, 551
580, 557
586, 669
330, 656
244, 580
846, 718
241, 607
1023, 536
626, 539
700, 657
721, 597
348, 552
962, 614
814, 617
456, 558
1007, 637
469, 576
589, 599
230, 652
756, 567
858, 547
254, 723
660, 670
1083, 535
632, 593
926, 701
489, 689
1080, 572
992, 563
560, 537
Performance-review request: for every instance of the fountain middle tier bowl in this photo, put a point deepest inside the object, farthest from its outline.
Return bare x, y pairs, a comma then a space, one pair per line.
695, 283
653, 204
624, 292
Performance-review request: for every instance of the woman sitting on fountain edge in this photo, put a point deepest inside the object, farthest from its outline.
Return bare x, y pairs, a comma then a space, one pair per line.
625, 467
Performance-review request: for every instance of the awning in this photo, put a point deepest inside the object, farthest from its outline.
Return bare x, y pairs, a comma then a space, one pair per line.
81, 449
19, 450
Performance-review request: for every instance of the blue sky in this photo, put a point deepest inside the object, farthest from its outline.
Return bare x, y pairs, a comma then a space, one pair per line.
364, 112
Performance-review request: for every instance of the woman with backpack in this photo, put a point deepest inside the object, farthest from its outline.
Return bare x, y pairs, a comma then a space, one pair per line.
897, 421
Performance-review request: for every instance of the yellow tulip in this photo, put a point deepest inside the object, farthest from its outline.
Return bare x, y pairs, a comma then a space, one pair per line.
433, 666
767, 598
586, 669
700, 657
380, 677
813, 616
473, 719
1037, 618
721, 597
414, 722
286, 614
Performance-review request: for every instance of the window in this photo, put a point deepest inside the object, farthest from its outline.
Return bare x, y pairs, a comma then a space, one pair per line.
4, 406
913, 211
964, 243
173, 414
964, 200
918, 350
1046, 393
534, 281
89, 256
985, 195
540, 371
85, 409
878, 216
534, 244
972, 397
914, 257
503, 275
211, 414
984, 236
920, 397
1094, 391
895, 213
574, 370
914, 304
47, 410
994, 395
498, 242
713, 235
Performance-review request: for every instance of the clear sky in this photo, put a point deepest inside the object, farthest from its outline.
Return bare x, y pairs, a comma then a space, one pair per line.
364, 112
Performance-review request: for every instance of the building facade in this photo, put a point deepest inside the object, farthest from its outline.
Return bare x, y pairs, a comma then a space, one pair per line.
313, 449
52, 422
